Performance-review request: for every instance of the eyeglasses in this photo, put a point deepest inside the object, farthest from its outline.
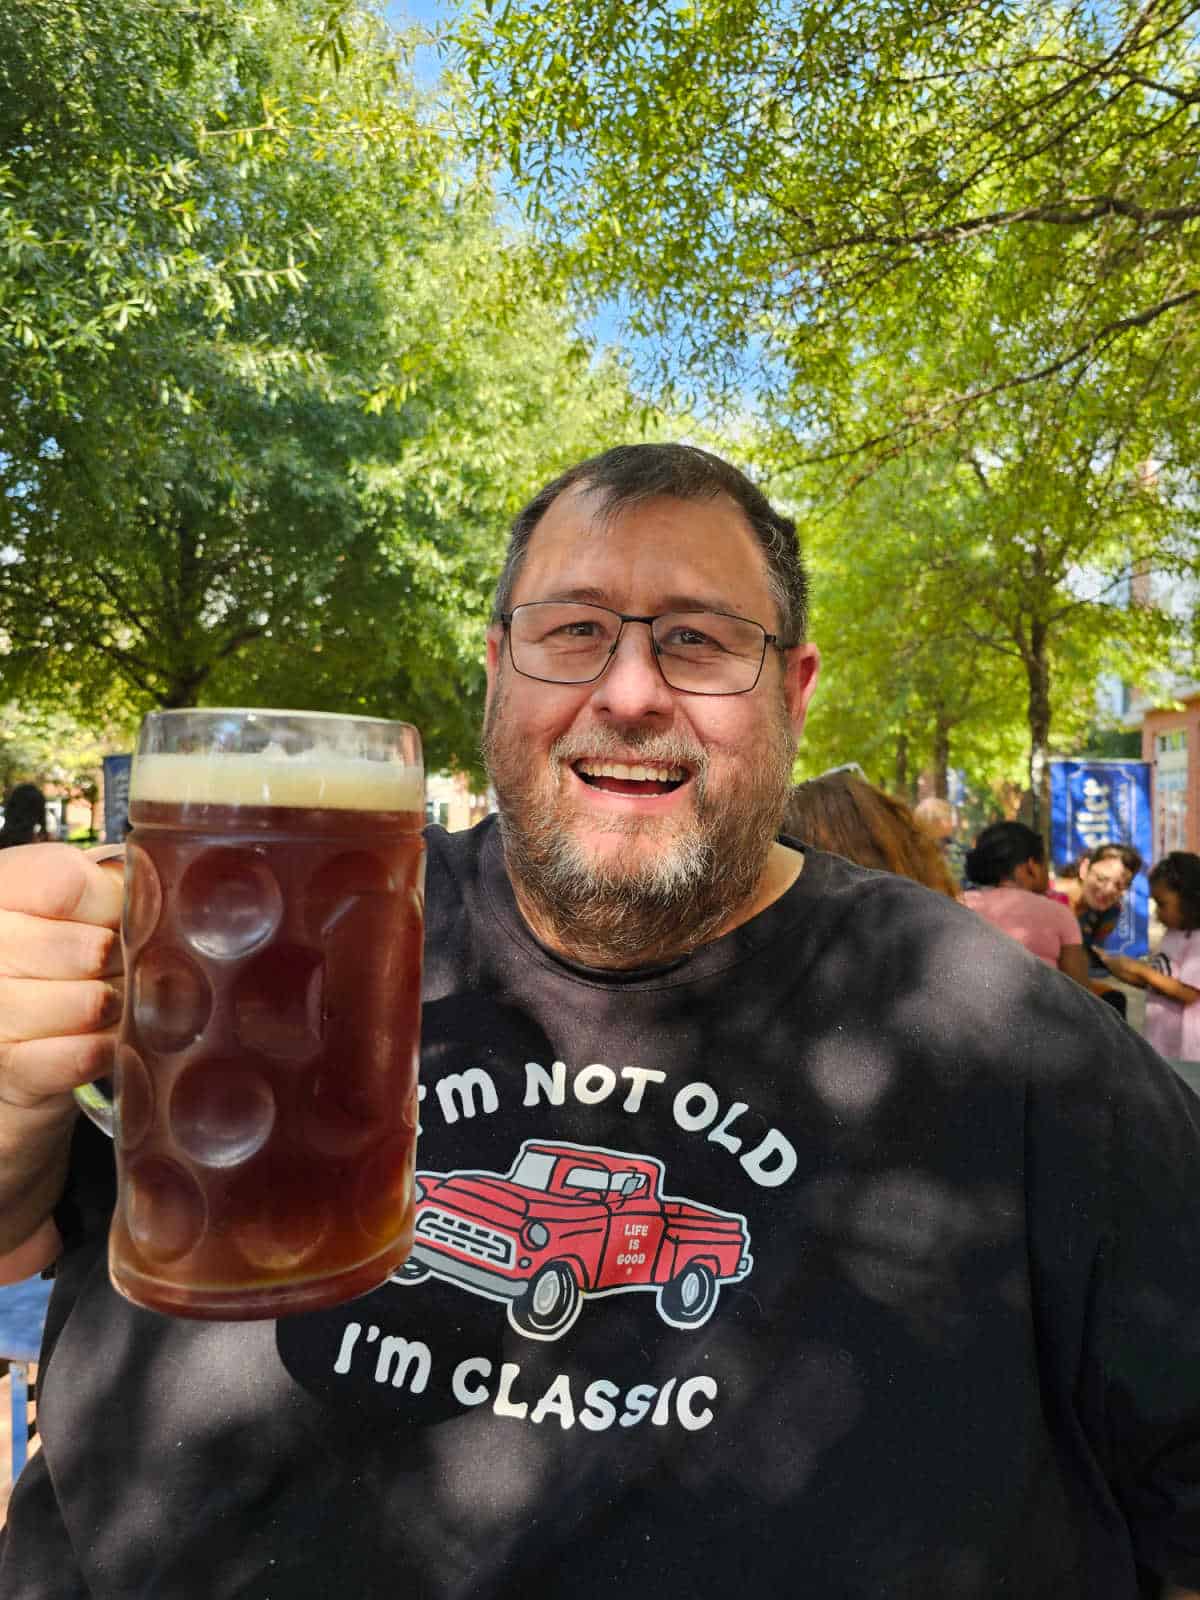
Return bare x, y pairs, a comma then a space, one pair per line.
700, 652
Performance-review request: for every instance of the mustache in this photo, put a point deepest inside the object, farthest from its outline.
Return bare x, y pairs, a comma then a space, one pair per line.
648, 746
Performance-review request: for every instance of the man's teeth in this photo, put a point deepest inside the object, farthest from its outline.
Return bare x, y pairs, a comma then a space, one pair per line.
618, 769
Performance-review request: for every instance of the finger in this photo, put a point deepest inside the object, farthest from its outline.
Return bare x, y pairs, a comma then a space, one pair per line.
36, 1070
35, 947
52, 1008
106, 852
111, 859
58, 882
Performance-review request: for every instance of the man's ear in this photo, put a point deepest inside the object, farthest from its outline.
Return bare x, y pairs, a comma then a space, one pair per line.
495, 643
801, 668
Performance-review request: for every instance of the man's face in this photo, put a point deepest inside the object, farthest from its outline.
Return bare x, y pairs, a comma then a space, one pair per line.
1104, 882
624, 861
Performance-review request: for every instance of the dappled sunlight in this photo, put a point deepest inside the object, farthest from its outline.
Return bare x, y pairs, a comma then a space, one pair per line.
850, 1083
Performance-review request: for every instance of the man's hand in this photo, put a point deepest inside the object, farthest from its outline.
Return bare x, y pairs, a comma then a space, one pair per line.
60, 1000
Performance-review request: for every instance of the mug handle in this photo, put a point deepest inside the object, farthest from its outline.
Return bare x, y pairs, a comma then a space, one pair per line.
96, 1105
90, 1097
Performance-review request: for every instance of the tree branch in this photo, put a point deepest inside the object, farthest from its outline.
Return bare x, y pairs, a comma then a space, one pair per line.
1068, 212
929, 423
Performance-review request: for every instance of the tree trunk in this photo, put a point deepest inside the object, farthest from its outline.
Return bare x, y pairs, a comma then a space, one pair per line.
901, 784
1037, 669
941, 758
181, 691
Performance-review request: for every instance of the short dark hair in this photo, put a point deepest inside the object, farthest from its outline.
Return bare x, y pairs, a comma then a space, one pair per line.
24, 814
632, 473
1000, 849
1180, 870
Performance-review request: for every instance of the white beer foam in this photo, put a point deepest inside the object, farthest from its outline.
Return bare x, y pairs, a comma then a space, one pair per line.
267, 779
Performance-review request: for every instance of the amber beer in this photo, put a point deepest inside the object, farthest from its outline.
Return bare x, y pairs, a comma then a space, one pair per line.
267, 1060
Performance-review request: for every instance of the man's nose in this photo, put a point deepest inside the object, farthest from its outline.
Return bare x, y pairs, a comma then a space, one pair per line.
632, 686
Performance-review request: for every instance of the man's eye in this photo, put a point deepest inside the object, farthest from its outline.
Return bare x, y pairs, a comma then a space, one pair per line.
689, 639
576, 630
569, 634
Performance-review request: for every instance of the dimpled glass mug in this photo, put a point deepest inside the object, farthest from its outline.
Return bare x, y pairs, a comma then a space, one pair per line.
265, 1111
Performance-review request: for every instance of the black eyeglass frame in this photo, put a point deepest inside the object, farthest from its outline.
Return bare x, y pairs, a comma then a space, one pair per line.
505, 620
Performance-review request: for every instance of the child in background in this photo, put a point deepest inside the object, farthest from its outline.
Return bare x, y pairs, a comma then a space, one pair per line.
1172, 975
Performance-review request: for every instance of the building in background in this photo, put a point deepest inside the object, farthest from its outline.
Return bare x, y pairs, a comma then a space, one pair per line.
1171, 743
450, 802
1168, 715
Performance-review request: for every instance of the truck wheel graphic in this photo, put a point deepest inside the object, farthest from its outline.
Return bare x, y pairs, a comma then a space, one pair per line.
550, 1304
688, 1300
411, 1272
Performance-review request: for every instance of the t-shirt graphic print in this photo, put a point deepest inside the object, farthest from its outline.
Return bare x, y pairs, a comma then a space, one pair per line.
567, 1222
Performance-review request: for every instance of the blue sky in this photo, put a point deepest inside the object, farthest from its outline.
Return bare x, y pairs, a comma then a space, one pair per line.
402, 13
604, 326
427, 11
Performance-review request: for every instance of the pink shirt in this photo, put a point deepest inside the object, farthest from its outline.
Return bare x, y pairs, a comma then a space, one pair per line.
1043, 926
1172, 1029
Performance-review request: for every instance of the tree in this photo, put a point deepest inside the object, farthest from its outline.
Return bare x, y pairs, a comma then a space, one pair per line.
53, 749
269, 445
984, 596
955, 242
131, 136
765, 182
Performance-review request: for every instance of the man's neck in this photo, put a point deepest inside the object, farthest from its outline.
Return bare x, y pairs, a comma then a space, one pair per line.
783, 866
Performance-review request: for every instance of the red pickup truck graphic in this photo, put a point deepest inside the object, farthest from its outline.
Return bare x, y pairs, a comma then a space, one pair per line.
570, 1221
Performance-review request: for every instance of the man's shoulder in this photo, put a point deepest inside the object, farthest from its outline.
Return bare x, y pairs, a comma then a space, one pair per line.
457, 853
832, 877
459, 867
934, 956
894, 923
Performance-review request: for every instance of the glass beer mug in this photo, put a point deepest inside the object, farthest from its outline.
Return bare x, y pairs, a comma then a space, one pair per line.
265, 1111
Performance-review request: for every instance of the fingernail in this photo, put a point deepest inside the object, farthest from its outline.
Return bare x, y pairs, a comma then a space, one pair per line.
114, 1004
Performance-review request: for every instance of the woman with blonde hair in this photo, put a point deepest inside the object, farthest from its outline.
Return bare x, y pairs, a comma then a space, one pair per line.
843, 813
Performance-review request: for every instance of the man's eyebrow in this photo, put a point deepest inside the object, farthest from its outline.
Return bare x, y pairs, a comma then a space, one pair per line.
672, 602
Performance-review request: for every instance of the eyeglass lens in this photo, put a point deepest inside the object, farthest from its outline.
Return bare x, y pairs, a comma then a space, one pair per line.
704, 652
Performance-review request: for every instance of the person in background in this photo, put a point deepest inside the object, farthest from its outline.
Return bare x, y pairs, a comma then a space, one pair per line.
1008, 869
24, 816
1061, 875
937, 819
850, 817
1105, 874
1172, 975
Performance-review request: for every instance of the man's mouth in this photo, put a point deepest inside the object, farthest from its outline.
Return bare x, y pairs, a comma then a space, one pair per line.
640, 778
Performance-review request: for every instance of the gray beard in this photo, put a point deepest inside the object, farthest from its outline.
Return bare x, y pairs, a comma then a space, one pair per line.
611, 915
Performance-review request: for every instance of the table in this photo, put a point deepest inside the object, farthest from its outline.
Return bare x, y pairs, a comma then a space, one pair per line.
22, 1312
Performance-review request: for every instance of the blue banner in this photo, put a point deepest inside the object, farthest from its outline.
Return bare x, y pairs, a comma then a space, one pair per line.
1106, 802
116, 798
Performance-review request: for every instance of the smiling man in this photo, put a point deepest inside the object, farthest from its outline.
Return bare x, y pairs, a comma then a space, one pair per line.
647, 684
781, 1227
